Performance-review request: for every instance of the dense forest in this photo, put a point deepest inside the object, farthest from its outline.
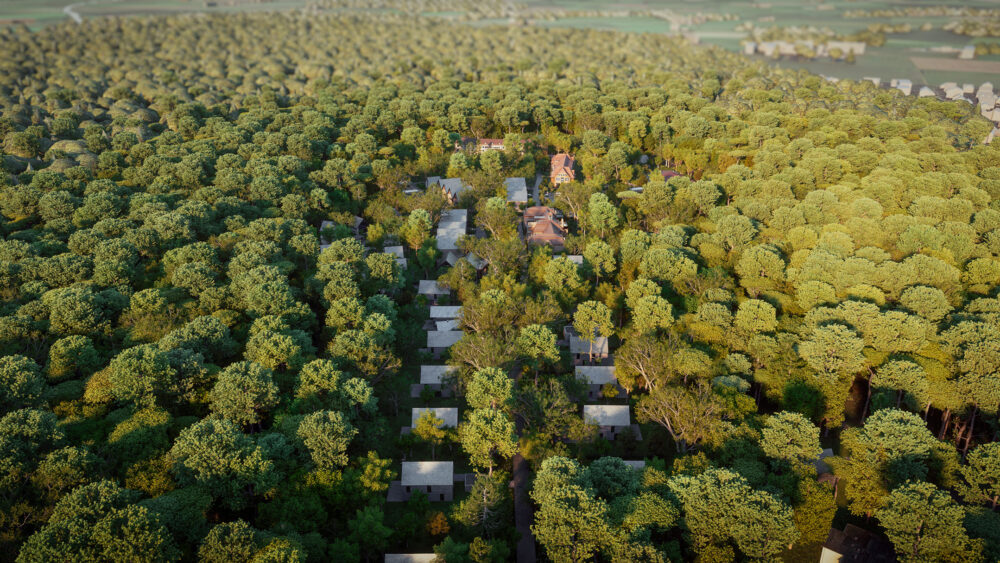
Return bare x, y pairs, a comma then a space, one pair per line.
206, 357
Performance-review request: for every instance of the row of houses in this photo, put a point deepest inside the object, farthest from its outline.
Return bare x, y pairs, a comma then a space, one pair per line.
983, 96
794, 48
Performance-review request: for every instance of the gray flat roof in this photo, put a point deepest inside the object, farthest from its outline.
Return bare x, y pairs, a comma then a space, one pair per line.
578, 345
597, 375
447, 236
635, 463
410, 557
443, 339
430, 375
422, 473
448, 414
454, 216
575, 258
517, 190
446, 311
396, 251
607, 415
431, 287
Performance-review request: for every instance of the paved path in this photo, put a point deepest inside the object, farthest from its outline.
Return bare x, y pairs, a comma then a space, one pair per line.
524, 512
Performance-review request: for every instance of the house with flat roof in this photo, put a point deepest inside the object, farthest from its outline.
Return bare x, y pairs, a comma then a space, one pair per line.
967, 53
445, 312
562, 169
436, 378
596, 377
454, 216
610, 419
583, 351
440, 340
410, 557
636, 464
517, 191
447, 237
396, 251
448, 414
431, 290
433, 478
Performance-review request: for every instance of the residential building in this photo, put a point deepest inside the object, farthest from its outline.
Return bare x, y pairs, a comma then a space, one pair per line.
544, 225
517, 191
562, 169
452, 188
636, 464
434, 478
452, 226
610, 419
481, 145
596, 377
583, 351
410, 557
437, 379
967, 53
440, 312
396, 251
449, 416
432, 290
440, 340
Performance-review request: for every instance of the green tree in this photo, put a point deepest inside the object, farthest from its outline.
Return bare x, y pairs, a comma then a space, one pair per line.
21, 383
592, 319
571, 524
981, 473
602, 215
429, 429
218, 456
243, 392
326, 435
537, 343
490, 388
925, 524
488, 433
790, 436
721, 509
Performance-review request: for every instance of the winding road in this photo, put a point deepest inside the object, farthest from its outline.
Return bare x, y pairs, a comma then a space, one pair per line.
70, 11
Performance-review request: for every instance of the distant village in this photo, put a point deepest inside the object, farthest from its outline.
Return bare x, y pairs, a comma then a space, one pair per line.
982, 96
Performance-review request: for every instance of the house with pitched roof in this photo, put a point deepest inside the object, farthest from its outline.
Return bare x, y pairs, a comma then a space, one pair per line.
543, 225
562, 169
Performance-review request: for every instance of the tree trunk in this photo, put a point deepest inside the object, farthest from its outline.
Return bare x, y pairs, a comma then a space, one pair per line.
945, 421
972, 426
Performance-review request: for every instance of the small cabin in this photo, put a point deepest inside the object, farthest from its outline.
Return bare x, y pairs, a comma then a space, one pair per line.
435, 378
433, 478
596, 377
611, 420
